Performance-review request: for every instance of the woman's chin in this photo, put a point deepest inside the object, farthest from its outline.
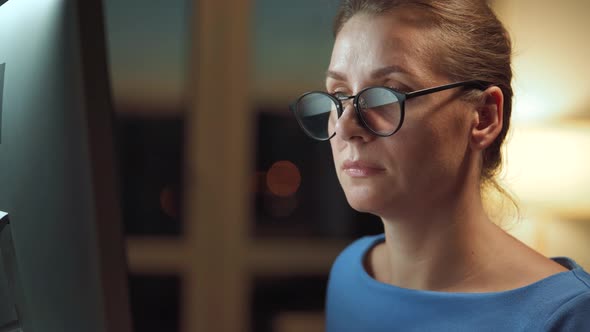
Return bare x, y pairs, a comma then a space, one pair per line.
366, 201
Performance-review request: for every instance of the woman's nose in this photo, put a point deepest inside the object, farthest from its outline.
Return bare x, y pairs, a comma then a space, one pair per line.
349, 126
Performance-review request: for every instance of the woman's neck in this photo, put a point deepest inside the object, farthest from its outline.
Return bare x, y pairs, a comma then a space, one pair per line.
438, 248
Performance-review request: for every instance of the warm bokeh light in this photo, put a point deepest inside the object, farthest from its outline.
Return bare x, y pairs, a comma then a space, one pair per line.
567, 238
550, 58
283, 178
547, 167
546, 159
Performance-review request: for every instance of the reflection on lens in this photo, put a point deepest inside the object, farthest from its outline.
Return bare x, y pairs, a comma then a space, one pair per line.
332, 120
317, 113
380, 109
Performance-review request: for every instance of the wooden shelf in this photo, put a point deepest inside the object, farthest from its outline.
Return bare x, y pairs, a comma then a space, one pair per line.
156, 255
293, 256
159, 255
299, 321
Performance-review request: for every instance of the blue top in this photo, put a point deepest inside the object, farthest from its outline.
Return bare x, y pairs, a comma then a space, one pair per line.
357, 302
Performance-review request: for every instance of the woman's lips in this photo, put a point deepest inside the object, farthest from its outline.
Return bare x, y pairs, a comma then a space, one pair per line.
361, 169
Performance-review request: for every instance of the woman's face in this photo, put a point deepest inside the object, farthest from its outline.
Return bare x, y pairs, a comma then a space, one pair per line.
420, 166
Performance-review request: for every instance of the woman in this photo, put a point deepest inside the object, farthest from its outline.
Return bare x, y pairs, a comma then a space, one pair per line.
417, 106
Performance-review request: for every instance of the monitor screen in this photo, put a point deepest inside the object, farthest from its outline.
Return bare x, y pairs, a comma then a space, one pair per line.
57, 176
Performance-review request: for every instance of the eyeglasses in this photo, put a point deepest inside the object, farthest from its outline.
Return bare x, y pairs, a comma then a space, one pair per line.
380, 109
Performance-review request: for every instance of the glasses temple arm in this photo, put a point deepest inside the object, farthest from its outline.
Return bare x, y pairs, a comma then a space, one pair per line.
474, 84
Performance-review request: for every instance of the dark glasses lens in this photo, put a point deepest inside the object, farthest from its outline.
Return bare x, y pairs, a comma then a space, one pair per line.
317, 113
380, 110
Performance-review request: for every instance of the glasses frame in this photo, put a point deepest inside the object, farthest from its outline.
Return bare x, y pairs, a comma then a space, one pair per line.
401, 96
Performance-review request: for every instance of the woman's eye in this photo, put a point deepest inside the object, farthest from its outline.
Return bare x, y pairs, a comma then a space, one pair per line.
399, 89
339, 94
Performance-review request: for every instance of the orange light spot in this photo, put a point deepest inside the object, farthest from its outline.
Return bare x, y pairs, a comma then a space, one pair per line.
283, 178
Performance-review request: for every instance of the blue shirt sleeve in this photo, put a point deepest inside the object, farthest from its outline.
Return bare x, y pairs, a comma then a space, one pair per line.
572, 316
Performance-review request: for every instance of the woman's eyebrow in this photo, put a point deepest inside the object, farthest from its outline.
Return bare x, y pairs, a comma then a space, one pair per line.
335, 75
385, 71
375, 74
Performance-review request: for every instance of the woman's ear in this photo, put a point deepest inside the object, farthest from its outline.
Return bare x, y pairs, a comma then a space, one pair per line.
489, 114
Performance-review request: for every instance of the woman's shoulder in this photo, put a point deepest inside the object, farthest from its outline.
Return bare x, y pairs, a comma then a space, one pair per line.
561, 301
575, 281
572, 315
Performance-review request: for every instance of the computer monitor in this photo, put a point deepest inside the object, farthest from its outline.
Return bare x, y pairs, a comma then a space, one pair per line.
57, 176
